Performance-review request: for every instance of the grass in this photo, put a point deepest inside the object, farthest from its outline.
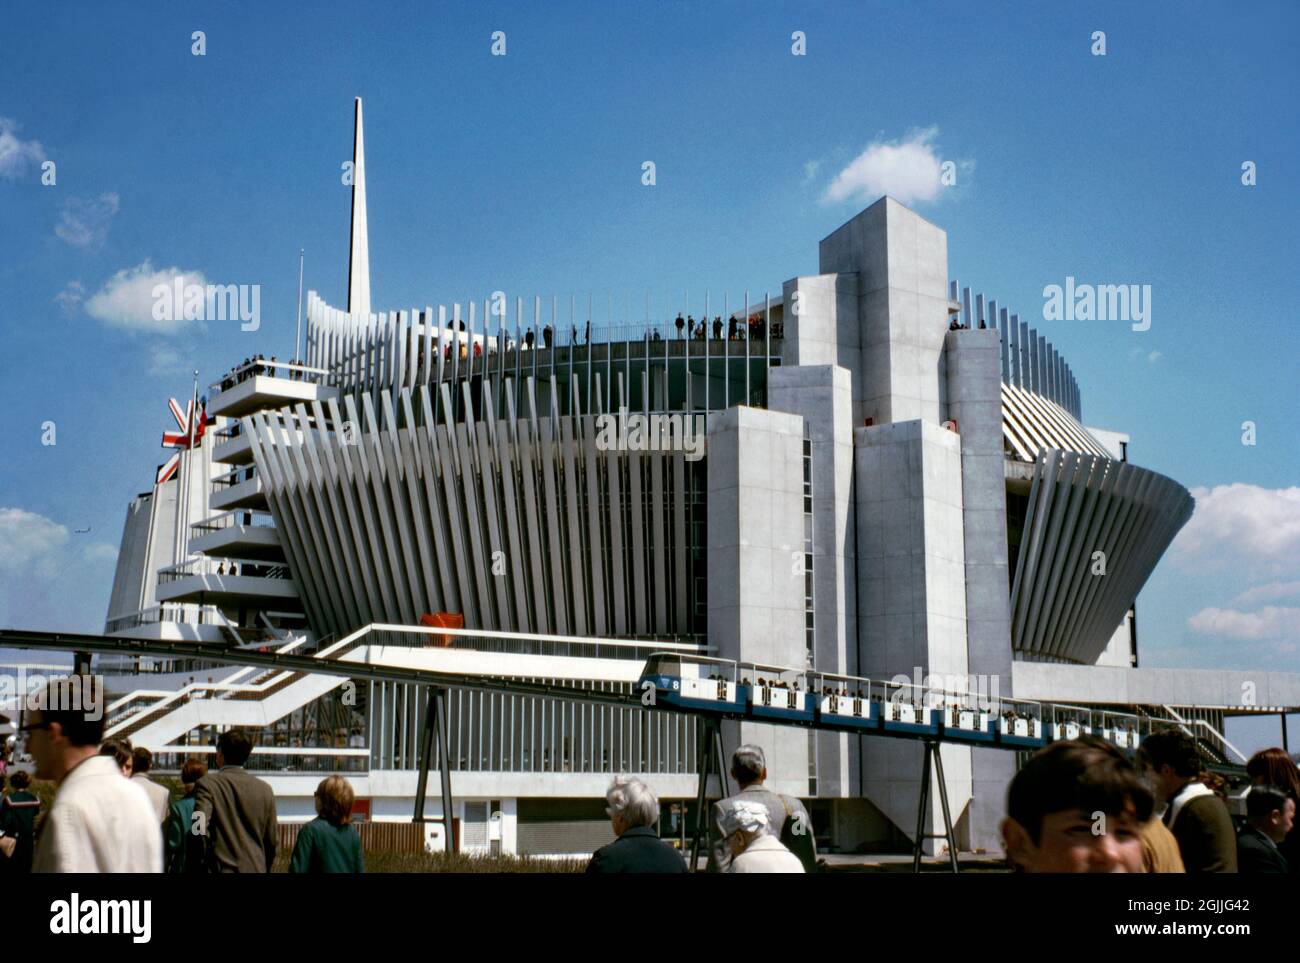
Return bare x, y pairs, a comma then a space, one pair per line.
458, 863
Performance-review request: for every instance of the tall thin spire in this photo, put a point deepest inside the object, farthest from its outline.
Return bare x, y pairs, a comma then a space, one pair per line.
359, 255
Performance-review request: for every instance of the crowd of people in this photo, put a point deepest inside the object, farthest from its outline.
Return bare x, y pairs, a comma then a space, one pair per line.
754, 831
248, 368
1075, 806
109, 816
752, 328
1161, 813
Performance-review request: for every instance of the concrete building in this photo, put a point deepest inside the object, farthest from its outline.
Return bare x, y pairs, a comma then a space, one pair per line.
895, 480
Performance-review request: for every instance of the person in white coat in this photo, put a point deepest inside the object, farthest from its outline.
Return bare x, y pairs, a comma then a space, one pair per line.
753, 848
99, 822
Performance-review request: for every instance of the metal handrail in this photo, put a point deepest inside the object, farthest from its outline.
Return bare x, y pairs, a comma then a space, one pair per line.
1184, 724
248, 568
230, 479
260, 518
263, 367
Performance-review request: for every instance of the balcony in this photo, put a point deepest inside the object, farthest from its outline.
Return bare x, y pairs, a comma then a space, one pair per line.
247, 533
233, 447
260, 384
171, 623
229, 582
239, 488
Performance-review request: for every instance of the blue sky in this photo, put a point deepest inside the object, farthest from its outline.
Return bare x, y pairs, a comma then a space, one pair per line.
523, 173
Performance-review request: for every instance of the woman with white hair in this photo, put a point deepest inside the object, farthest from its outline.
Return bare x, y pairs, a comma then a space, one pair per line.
634, 813
753, 848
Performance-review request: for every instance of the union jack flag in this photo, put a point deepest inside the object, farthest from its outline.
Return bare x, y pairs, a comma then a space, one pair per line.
180, 438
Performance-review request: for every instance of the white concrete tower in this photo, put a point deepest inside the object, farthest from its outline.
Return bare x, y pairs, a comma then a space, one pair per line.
359, 254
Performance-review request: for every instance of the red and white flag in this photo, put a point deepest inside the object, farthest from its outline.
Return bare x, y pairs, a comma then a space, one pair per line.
181, 438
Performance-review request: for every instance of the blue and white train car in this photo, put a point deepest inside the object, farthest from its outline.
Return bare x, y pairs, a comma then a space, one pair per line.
967, 724
777, 703
897, 715
1018, 730
687, 682
847, 711
1069, 730
1123, 735
776, 693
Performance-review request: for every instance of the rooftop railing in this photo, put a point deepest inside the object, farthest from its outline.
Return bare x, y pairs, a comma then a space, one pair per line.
266, 367
397, 348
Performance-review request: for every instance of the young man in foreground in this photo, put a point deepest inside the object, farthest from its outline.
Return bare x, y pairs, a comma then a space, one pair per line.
1076, 807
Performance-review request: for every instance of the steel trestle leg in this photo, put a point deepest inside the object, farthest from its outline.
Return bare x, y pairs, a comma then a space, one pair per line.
943, 804
444, 753
919, 838
931, 749
710, 754
435, 727
704, 762
422, 781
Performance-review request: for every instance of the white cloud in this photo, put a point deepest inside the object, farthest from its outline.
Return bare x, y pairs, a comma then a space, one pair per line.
1270, 622
50, 579
99, 552
17, 155
1267, 593
810, 169
1154, 356
70, 298
166, 360
127, 300
906, 170
1244, 528
28, 539
85, 223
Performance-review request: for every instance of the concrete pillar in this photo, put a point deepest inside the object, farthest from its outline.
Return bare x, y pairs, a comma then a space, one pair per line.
822, 395
974, 402
901, 261
911, 600
755, 565
821, 322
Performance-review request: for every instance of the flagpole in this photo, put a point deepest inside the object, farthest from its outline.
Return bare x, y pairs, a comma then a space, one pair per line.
297, 338
185, 476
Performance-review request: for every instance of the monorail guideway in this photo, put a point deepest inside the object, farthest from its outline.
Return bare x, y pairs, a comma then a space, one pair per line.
713, 690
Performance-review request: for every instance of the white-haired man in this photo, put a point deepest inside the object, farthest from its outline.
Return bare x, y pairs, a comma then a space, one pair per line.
787, 820
754, 849
634, 812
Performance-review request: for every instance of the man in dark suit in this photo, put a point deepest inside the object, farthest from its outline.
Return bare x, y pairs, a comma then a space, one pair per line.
634, 811
1270, 813
237, 829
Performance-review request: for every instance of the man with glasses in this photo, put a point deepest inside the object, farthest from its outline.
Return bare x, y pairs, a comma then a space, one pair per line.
99, 822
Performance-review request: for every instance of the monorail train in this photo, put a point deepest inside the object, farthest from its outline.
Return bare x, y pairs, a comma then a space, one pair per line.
693, 683
725, 688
